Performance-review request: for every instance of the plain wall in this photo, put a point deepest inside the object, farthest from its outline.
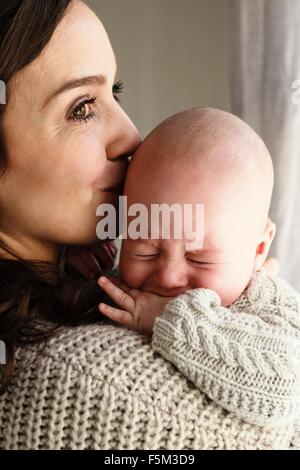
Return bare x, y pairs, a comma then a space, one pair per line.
171, 55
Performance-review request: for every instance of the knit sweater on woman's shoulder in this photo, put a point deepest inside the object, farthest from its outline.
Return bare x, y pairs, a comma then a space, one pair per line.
103, 387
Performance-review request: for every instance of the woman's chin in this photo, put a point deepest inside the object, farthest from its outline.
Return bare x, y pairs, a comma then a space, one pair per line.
82, 235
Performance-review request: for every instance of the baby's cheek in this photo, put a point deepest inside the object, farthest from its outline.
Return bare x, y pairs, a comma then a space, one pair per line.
225, 282
229, 295
234, 286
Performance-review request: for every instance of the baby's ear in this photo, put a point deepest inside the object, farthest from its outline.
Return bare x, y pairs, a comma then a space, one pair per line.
263, 248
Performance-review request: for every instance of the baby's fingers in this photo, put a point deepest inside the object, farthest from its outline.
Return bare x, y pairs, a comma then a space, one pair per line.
120, 285
119, 316
121, 298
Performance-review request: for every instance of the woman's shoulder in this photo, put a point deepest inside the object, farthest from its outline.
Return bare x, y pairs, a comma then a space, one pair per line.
114, 355
103, 387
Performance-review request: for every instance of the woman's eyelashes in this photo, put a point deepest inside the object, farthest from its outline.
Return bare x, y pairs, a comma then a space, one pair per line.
80, 113
117, 90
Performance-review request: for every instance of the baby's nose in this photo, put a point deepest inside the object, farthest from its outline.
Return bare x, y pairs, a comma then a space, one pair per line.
172, 277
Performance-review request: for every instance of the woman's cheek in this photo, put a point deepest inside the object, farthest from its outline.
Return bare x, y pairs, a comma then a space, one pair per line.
84, 156
98, 169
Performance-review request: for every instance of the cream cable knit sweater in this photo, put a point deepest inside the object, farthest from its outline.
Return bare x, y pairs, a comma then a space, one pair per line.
245, 358
103, 387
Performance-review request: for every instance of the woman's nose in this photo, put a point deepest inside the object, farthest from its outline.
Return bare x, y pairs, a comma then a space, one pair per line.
124, 138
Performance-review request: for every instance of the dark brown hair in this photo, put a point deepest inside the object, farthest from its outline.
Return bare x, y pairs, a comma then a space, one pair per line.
36, 299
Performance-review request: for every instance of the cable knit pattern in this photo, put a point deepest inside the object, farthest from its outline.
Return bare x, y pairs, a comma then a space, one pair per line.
247, 357
103, 387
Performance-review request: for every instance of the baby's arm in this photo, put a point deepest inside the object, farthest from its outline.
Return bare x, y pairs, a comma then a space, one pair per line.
246, 358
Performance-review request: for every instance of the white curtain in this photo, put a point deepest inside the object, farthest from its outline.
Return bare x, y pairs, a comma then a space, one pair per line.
264, 67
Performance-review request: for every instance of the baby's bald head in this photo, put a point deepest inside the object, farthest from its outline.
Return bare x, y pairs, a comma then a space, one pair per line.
212, 151
210, 157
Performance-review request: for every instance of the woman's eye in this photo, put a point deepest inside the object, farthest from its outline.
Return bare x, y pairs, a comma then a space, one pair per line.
80, 114
117, 90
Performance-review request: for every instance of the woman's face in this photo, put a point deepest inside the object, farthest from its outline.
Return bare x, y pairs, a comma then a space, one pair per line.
65, 140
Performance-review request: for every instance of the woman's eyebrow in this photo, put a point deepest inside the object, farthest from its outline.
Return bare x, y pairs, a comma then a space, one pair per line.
76, 83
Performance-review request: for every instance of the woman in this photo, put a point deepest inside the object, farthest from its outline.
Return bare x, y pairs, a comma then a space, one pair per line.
71, 380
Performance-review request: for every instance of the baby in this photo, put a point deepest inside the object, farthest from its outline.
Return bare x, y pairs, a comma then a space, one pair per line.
210, 157
213, 310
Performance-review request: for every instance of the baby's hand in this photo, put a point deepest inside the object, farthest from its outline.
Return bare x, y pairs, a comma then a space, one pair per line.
90, 260
138, 309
